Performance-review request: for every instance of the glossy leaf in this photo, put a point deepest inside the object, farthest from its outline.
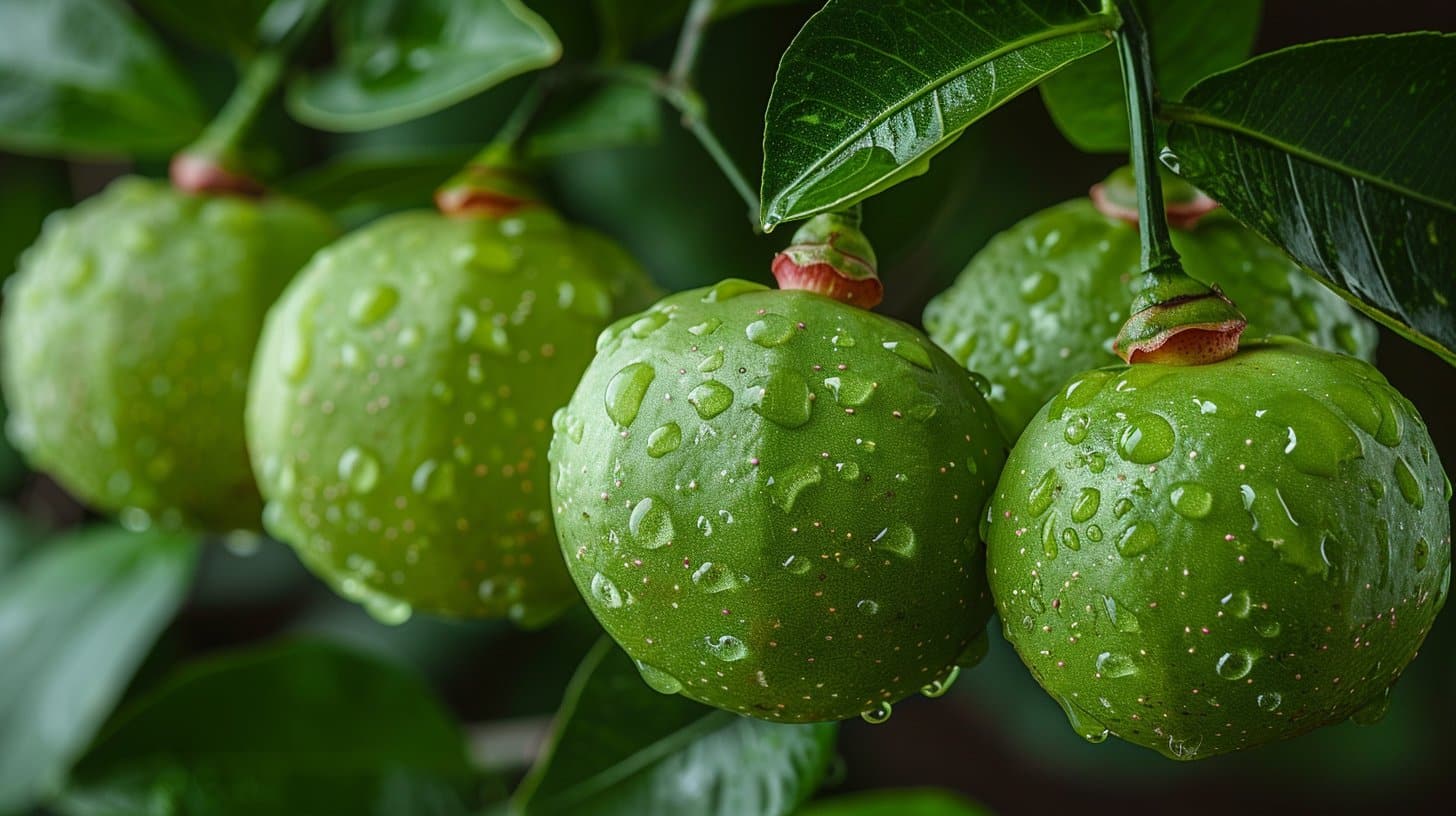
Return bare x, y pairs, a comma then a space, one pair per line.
621, 748
378, 179
292, 728
1190, 40
238, 27
84, 77
76, 619
869, 91
1340, 153
911, 802
619, 114
402, 59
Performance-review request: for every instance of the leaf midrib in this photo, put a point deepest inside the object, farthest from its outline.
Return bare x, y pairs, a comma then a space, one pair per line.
1198, 116
1094, 23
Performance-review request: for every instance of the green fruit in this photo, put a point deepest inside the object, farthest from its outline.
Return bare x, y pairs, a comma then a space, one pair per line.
129, 332
769, 499
1206, 558
400, 407
1044, 300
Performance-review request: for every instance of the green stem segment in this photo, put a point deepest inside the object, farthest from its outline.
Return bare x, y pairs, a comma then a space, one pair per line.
1175, 319
214, 163
494, 183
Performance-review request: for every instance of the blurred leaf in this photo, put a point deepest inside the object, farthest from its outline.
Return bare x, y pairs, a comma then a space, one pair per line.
16, 536
625, 23
401, 59
914, 802
621, 748
1190, 40
76, 619
82, 76
618, 114
394, 178
237, 27
1340, 153
291, 728
868, 92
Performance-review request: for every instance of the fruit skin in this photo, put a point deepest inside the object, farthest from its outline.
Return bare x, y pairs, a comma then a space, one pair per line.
809, 551
401, 402
129, 333
1045, 299
1163, 610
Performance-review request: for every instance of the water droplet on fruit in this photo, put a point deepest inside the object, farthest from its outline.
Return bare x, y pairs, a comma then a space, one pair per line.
714, 578
912, 351
1136, 540
1071, 540
358, 469
1038, 286
1114, 665
663, 440
849, 390
785, 487
1234, 665
731, 288
606, 592
710, 398
1238, 603
626, 390
727, 648
877, 715
770, 330
705, 328
647, 324
937, 688
868, 607
898, 538
1122, 617
1422, 553
800, 566
1191, 500
783, 399
1049, 537
295, 354
1076, 429
1122, 507
1042, 493
712, 362
372, 304
1410, 486
658, 680
1374, 709
650, 524
848, 471
1274, 524
433, 480
1086, 505
1147, 438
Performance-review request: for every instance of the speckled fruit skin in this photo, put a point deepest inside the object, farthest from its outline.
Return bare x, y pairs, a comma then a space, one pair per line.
1044, 300
401, 403
1269, 567
129, 332
769, 499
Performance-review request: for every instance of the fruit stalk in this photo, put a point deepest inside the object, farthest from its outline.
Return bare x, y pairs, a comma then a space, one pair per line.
831, 256
1174, 318
493, 184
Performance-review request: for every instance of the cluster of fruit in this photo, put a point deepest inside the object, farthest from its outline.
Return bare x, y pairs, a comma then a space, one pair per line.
778, 502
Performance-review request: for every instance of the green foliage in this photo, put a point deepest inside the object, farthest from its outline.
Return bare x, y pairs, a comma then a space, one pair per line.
911, 802
291, 728
400, 59
619, 747
1338, 152
854, 111
237, 27
83, 77
78, 617
1190, 38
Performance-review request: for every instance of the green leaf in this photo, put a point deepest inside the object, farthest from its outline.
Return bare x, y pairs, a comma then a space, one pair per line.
619, 114
76, 619
383, 179
402, 59
1340, 153
869, 91
912, 802
625, 23
82, 76
238, 27
293, 728
1190, 40
621, 748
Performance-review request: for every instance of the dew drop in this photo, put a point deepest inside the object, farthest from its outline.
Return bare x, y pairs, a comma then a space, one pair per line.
1038, 286
664, 440
650, 524
712, 362
626, 391
1234, 665
647, 324
433, 480
1136, 540
1269, 701
868, 607
1121, 617
1422, 554
727, 648
849, 390
1086, 505
606, 592
1191, 500
359, 469
705, 328
714, 578
770, 331
1076, 428
386, 610
1082, 722
1042, 493
800, 566
1410, 486
731, 288
372, 304
1238, 604
1273, 523
1148, 438
295, 353
710, 398
898, 538
785, 488
783, 399
912, 351
1114, 665
658, 680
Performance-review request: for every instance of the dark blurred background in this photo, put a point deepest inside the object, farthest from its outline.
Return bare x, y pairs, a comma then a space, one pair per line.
996, 736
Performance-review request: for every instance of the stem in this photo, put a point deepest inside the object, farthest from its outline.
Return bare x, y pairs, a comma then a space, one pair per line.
222, 138
700, 13
520, 118
1138, 87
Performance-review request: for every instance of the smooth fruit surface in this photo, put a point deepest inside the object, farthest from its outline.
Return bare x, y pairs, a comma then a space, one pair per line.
129, 332
1200, 559
401, 404
1045, 299
769, 499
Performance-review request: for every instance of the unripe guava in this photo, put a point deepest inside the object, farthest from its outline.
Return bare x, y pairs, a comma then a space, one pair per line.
1200, 559
769, 498
401, 403
1045, 299
129, 332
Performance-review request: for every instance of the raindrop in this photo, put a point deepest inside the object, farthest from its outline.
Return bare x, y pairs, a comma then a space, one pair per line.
705, 328
783, 399
1410, 486
1234, 665
770, 330
850, 391
1269, 701
1112, 664
912, 351
727, 648
1136, 540
626, 391
650, 524
372, 304
1086, 505
1042, 493
658, 680
359, 469
605, 591
898, 538
1147, 438
710, 398
663, 440
1191, 500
